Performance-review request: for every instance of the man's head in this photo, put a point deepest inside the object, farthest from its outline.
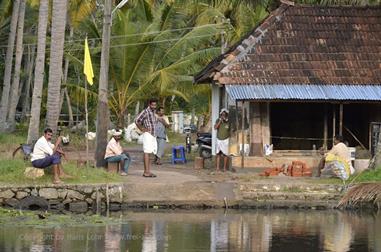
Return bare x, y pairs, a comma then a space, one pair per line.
117, 134
160, 111
152, 104
338, 139
48, 134
224, 113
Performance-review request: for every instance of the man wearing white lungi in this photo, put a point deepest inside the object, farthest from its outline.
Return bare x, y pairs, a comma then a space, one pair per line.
222, 126
146, 122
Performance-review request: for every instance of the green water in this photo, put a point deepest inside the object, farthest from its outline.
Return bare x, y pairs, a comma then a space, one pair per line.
262, 230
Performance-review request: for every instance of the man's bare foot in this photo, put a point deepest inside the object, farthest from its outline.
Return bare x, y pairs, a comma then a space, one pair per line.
57, 181
65, 176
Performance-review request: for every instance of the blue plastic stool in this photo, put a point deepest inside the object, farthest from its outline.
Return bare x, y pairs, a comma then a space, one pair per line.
178, 154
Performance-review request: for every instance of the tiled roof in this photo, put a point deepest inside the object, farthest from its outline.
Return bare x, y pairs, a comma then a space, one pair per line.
305, 45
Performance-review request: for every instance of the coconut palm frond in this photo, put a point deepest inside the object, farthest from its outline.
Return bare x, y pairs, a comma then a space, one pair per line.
367, 193
77, 93
202, 56
80, 10
191, 39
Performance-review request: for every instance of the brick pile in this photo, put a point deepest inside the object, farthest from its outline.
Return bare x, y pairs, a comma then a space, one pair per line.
295, 169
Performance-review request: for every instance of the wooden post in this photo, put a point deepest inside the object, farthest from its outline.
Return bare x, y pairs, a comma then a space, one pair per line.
256, 129
265, 121
87, 127
325, 143
334, 122
237, 123
243, 136
341, 120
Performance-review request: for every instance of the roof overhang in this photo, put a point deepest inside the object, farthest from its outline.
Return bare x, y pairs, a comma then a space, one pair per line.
305, 92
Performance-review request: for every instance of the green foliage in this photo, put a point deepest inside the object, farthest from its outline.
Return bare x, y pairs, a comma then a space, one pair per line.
368, 176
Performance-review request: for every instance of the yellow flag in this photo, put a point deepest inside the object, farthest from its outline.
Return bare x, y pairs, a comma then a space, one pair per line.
87, 66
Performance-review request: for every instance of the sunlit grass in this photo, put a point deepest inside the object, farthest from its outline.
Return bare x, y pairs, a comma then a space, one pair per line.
12, 172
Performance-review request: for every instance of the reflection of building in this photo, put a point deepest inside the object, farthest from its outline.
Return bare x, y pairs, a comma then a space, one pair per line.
261, 234
149, 243
337, 233
219, 234
113, 237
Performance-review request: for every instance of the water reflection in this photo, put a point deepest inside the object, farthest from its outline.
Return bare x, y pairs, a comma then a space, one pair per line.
207, 231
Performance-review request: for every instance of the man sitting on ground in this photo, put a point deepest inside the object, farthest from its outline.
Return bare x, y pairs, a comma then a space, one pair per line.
46, 154
115, 153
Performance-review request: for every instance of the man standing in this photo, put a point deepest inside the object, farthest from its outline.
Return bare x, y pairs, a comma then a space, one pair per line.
115, 153
161, 134
222, 126
46, 154
146, 122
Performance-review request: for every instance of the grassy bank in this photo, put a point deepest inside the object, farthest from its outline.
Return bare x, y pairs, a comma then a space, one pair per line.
12, 172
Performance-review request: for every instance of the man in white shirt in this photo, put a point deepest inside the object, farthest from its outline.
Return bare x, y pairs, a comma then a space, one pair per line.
46, 154
115, 154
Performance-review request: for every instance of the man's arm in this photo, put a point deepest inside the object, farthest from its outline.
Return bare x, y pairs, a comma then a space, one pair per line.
218, 123
163, 121
139, 121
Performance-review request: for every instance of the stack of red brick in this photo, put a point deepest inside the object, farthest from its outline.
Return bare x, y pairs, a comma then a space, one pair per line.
296, 169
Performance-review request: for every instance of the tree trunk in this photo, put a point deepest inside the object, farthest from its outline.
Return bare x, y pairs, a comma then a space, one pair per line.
16, 77
56, 57
64, 92
137, 107
34, 122
102, 112
8, 66
26, 104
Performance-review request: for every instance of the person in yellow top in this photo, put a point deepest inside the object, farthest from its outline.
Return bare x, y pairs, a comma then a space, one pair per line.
115, 153
337, 162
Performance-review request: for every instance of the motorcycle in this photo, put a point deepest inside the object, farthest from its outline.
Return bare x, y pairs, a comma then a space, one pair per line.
204, 142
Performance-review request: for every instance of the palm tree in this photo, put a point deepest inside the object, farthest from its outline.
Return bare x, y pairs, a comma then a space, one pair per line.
56, 57
8, 66
34, 122
102, 111
161, 58
16, 77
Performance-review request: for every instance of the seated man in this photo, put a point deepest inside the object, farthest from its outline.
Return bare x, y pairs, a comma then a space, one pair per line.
337, 162
46, 154
115, 153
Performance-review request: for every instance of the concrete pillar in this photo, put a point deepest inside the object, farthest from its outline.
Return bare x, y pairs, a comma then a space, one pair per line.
215, 114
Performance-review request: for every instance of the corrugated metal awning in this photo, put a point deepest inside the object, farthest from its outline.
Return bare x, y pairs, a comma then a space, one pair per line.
305, 92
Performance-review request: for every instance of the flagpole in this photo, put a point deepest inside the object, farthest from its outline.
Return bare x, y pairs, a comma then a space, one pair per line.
87, 127
88, 71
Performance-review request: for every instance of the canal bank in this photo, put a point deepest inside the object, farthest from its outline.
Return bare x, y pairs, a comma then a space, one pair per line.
176, 188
